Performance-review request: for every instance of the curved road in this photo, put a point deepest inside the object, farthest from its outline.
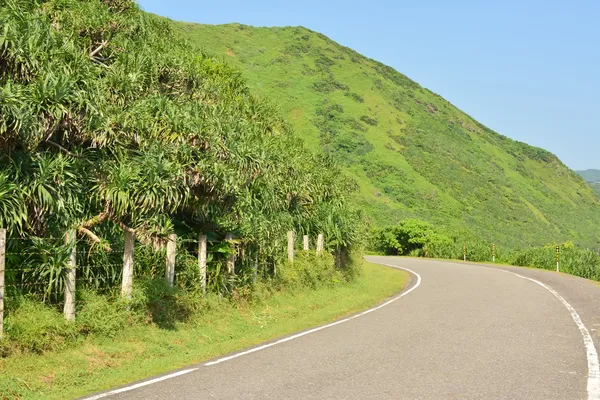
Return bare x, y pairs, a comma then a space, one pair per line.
466, 332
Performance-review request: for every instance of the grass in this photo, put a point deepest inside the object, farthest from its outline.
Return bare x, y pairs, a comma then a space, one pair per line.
97, 364
413, 153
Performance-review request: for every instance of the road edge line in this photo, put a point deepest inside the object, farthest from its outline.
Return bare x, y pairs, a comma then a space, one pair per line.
265, 346
593, 383
319, 328
141, 384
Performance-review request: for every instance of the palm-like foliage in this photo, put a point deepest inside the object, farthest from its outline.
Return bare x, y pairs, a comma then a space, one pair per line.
107, 120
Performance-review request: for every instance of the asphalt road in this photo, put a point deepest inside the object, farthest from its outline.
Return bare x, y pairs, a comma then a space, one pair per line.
466, 332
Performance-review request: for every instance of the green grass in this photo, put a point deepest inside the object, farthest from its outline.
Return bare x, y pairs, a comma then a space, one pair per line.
96, 364
413, 153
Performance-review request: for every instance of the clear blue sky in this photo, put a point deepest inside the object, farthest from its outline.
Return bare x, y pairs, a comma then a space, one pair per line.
526, 68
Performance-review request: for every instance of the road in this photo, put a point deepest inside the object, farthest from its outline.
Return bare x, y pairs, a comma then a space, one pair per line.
466, 332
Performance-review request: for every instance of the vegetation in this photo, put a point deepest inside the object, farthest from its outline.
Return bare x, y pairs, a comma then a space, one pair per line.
413, 153
109, 124
420, 239
97, 362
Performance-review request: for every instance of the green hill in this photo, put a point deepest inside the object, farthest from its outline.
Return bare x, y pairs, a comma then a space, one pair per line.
590, 175
413, 153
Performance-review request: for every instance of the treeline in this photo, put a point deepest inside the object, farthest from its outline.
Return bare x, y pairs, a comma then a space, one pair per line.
108, 123
417, 238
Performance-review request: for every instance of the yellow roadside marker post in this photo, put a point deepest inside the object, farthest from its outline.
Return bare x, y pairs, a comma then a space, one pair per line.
494, 252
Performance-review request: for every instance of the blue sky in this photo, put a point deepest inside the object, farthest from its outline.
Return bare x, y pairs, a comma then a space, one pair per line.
527, 69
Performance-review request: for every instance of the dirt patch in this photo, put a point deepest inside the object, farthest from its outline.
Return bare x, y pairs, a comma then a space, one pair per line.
296, 113
48, 379
230, 52
98, 359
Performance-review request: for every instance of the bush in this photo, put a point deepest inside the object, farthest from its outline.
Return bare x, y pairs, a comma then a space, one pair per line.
156, 301
99, 315
309, 271
352, 263
355, 96
33, 326
414, 237
368, 120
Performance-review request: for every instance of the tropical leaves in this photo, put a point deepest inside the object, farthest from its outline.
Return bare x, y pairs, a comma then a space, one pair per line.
108, 122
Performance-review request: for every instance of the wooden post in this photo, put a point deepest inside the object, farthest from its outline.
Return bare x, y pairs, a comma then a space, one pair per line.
557, 258
127, 282
465, 252
255, 268
231, 258
320, 243
290, 237
202, 261
171, 253
2, 267
305, 242
70, 283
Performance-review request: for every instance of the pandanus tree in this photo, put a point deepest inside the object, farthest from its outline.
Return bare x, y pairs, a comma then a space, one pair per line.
108, 122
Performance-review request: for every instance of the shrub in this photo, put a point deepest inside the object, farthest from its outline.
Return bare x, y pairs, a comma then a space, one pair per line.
414, 237
309, 271
156, 301
33, 326
355, 96
99, 315
368, 120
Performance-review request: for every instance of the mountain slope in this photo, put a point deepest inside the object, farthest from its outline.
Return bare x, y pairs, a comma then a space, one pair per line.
590, 175
413, 153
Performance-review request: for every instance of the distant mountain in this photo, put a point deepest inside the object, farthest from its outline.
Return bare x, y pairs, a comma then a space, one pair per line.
590, 175
412, 152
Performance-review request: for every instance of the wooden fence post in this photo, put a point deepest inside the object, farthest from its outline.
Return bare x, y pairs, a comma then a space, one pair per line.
290, 247
305, 242
70, 283
202, 261
2, 267
320, 243
127, 282
255, 268
231, 258
171, 253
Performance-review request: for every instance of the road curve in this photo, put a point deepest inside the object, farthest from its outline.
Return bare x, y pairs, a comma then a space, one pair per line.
467, 332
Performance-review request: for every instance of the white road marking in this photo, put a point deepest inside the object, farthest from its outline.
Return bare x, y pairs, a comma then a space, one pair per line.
593, 383
265, 346
287, 339
141, 384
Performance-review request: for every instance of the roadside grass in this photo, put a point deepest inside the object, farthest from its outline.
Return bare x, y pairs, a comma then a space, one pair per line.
97, 364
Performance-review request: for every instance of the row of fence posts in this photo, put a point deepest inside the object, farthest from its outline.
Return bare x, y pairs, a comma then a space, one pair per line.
128, 265
494, 255
305, 244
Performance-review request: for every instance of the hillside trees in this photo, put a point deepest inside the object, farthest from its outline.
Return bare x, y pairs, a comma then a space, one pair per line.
109, 122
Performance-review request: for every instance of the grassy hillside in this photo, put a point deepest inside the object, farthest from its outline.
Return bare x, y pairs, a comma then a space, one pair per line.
413, 153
